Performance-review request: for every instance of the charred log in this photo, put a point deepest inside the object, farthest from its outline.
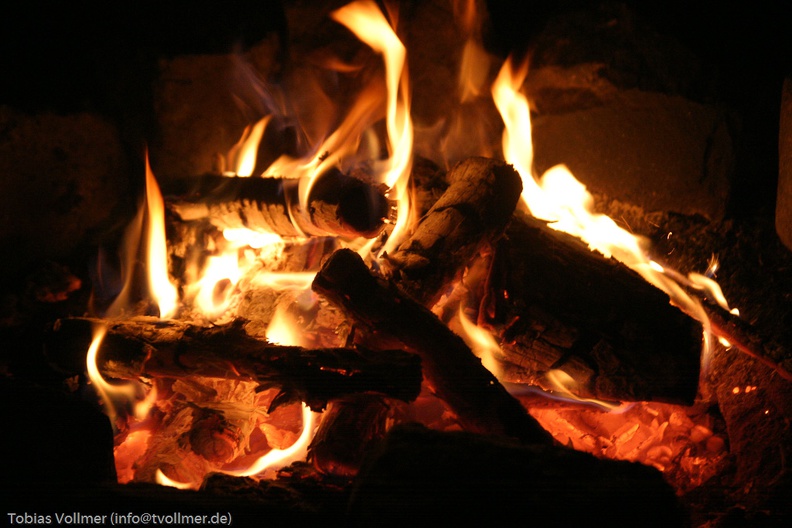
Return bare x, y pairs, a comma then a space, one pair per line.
474, 210
147, 347
558, 305
338, 205
454, 374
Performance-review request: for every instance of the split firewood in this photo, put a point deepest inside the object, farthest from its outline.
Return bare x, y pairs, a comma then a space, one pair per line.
147, 347
452, 372
473, 211
338, 205
554, 304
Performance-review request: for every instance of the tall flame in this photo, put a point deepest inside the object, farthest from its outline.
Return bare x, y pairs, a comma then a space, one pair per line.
163, 291
368, 23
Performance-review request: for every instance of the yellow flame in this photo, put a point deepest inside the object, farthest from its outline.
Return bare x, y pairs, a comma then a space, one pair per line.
278, 458
245, 152
564, 384
482, 343
282, 329
163, 291
216, 286
243, 236
161, 479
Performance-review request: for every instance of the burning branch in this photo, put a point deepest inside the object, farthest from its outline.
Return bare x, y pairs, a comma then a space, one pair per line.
475, 209
146, 347
338, 205
450, 368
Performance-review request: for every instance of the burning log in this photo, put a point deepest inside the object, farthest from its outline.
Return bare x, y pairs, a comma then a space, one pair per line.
558, 305
451, 370
338, 205
475, 209
147, 347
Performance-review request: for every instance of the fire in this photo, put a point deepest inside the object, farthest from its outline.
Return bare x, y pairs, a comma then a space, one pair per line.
558, 197
243, 258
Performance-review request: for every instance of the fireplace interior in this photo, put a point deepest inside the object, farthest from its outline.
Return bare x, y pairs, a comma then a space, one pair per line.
335, 373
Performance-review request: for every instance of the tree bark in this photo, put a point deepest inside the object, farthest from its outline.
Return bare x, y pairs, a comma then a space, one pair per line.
338, 205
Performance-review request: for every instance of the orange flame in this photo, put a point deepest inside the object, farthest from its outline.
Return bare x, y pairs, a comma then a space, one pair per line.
111, 393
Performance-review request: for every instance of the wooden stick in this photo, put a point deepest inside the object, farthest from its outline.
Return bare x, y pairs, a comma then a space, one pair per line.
453, 373
148, 347
474, 210
338, 205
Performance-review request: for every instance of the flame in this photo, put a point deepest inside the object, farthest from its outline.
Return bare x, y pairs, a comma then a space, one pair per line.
282, 329
163, 480
474, 67
368, 23
163, 291
245, 152
214, 289
108, 392
482, 343
561, 199
564, 385
300, 280
278, 458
